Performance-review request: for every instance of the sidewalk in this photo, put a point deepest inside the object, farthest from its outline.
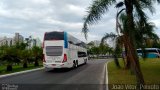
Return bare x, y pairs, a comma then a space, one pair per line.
21, 72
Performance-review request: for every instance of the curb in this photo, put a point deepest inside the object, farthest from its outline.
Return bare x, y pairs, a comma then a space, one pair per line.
21, 72
106, 81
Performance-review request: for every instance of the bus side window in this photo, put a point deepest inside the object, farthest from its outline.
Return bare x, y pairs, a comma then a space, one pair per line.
82, 54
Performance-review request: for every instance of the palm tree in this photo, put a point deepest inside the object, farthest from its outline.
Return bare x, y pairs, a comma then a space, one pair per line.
118, 45
143, 34
24, 55
37, 54
9, 56
99, 7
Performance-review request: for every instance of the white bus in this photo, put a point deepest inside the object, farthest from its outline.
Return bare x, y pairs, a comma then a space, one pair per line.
61, 50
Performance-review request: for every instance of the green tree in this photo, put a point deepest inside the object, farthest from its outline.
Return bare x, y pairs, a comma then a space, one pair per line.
38, 54
9, 56
99, 7
24, 55
95, 51
103, 47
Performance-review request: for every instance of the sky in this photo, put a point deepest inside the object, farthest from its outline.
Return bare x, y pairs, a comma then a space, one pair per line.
35, 17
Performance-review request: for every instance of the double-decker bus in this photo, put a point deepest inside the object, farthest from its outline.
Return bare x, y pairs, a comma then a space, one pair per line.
61, 50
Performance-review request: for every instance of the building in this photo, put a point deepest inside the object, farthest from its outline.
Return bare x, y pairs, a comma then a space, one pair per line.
11, 41
6, 41
33, 42
18, 38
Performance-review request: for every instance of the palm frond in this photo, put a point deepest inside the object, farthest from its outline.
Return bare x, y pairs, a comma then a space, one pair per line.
95, 11
140, 13
85, 30
123, 21
118, 26
148, 4
108, 35
98, 8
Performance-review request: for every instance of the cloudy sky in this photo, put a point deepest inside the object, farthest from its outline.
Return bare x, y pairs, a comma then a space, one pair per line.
34, 17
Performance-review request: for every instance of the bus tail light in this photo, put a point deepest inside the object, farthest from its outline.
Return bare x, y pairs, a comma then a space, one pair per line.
44, 58
65, 58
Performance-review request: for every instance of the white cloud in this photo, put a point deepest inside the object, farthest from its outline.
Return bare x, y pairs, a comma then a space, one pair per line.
7, 34
77, 10
79, 35
157, 22
34, 17
73, 25
41, 1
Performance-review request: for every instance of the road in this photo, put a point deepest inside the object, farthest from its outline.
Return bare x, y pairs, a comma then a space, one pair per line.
86, 77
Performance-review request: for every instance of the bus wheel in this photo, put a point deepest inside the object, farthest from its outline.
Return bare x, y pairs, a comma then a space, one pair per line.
85, 61
76, 63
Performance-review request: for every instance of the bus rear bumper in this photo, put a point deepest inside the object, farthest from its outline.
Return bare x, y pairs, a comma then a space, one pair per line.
57, 65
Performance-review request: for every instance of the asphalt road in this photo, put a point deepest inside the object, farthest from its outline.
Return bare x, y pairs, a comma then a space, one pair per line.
86, 77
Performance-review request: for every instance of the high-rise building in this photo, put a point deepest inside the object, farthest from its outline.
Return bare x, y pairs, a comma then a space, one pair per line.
11, 41
18, 38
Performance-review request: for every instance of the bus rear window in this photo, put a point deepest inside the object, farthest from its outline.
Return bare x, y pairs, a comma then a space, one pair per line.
54, 36
54, 50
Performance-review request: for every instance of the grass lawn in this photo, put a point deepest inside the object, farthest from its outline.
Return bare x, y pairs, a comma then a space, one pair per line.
17, 68
150, 69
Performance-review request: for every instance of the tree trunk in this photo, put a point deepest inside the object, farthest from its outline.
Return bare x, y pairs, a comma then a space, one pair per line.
9, 67
128, 63
116, 61
36, 62
125, 56
131, 45
25, 65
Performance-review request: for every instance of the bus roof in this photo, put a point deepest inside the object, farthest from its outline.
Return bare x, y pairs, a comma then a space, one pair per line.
71, 39
148, 48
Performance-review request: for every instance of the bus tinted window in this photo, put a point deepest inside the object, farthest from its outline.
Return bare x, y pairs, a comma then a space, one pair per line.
75, 41
54, 36
139, 51
54, 50
152, 51
82, 54
159, 51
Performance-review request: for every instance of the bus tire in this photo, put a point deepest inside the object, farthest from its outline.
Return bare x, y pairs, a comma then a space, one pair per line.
85, 61
76, 63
